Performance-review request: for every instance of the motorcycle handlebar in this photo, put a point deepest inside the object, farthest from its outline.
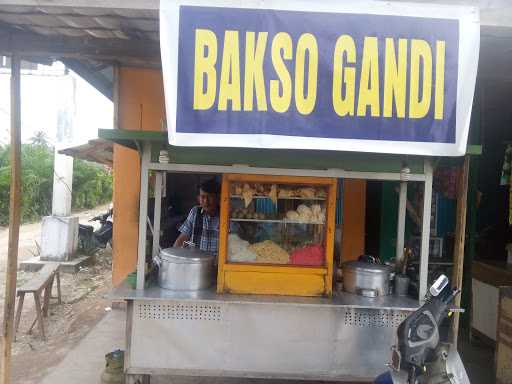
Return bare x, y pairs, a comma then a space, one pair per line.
101, 218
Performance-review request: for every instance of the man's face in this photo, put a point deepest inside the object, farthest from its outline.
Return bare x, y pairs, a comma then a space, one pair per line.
209, 202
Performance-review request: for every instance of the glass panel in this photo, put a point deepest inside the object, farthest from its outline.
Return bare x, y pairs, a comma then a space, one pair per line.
277, 224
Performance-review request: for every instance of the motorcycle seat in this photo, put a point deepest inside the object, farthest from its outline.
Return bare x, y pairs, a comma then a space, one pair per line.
86, 228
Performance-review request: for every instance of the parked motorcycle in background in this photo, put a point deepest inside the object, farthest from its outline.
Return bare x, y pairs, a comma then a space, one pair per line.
91, 241
419, 357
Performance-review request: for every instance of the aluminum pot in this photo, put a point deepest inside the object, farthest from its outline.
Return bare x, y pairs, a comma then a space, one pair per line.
185, 269
370, 280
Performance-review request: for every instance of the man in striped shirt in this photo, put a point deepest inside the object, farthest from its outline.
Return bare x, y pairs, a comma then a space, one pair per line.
202, 224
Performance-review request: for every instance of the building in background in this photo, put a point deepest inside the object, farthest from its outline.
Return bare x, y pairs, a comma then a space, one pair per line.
44, 90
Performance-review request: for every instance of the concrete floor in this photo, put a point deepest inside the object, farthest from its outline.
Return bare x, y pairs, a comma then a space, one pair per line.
85, 362
478, 360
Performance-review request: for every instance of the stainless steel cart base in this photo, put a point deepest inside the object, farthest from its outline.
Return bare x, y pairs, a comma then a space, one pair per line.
204, 334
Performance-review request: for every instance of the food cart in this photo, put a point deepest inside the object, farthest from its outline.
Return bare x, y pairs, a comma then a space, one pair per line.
275, 311
328, 335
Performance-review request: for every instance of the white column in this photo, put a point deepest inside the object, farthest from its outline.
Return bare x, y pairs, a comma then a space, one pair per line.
143, 213
63, 165
62, 184
425, 229
157, 213
400, 232
59, 236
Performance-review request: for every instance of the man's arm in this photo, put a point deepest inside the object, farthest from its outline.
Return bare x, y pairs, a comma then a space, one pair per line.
181, 239
186, 228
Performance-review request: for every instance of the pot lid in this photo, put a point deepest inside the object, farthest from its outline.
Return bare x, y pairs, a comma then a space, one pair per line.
186, 255
367, 267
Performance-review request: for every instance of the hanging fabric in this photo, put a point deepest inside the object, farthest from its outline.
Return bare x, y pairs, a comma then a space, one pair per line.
445, 181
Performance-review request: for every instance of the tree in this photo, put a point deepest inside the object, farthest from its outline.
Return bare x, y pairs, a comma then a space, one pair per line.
40, 138
92, 184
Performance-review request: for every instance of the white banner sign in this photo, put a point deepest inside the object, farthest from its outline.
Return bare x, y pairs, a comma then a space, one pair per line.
323, 75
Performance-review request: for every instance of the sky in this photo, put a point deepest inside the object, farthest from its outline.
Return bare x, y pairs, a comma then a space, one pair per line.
44, 92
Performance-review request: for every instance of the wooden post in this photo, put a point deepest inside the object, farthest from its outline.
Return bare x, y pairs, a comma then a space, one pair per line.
115, 95
460, 236
14, 224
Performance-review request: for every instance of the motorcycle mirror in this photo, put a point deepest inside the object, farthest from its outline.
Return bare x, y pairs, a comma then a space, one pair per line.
439, 285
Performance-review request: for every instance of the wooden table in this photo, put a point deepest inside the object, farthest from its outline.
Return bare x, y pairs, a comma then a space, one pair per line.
42, 282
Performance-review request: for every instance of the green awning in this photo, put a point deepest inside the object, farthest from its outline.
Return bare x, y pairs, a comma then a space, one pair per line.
265, 158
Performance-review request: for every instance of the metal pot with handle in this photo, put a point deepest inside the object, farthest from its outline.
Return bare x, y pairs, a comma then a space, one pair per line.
366, 279
185, 269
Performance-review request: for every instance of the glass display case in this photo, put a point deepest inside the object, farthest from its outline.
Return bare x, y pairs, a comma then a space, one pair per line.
276, 235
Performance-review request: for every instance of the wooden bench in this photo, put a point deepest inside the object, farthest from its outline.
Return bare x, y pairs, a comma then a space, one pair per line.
43, 281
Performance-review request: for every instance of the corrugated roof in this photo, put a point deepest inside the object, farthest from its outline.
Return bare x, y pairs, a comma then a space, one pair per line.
96, 34
106, 23
87, 38
97, 151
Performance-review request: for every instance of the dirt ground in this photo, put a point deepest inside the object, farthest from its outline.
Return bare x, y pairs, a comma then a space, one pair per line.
83, 305
30, 238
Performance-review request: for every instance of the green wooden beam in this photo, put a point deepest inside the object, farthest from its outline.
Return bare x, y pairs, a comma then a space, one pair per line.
474, 150
128, 138
266, 158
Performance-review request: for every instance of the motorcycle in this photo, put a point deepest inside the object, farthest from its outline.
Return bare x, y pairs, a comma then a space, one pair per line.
419, 357
89, 240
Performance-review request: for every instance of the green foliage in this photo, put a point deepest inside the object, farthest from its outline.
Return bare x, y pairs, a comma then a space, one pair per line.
92, 184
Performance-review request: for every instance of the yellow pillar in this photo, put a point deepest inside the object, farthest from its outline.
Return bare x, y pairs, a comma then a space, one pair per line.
354, 210
140, 106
